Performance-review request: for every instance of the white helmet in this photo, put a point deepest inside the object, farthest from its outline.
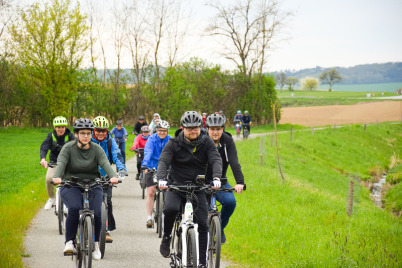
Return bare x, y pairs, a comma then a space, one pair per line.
163, 124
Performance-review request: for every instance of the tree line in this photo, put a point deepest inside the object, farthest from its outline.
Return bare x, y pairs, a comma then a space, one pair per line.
41, 74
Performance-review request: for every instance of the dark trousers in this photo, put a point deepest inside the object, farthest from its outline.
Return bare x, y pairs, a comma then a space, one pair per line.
228, 202
72, 198
111, 222
139, 161
174, 201
122, 147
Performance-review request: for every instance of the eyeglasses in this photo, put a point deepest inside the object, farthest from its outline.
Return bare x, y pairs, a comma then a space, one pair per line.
190, 129
101, 130
87, 134
215, 129
162, 131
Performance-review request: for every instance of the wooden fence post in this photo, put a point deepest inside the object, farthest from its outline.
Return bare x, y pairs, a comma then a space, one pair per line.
350, 198
261, 152
291, 132
312, 131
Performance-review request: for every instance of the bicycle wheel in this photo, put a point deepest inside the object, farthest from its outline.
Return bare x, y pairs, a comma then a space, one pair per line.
192, 258
60, 212
160, 212
102, 238
214, 249
156, 211
87, 242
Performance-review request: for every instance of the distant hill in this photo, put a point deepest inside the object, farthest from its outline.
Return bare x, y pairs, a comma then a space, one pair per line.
390, 72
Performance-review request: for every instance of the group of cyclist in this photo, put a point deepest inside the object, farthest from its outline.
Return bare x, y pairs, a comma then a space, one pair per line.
242, 120
194, 150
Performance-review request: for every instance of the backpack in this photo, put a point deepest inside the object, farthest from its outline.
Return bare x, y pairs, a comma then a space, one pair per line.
109, 149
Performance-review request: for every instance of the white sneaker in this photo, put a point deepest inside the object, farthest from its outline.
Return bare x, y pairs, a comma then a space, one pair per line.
96, 254
49, 203
69, 248
65, 209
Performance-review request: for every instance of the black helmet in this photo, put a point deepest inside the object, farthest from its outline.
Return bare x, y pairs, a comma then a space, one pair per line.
191, 119
83, 123
119, 122
141, 118
215, 120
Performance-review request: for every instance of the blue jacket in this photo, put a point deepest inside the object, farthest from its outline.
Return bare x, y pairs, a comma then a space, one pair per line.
152, 151
119, 134
115, 149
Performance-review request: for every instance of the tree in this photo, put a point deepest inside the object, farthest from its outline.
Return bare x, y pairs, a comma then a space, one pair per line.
247, 28
50, 41
280, 79
309, 83
291, 82
330, 77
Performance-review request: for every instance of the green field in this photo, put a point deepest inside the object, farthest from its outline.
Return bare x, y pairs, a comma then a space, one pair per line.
320, 98
301, 222
380, 87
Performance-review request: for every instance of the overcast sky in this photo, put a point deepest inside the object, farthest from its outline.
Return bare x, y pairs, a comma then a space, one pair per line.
341, 33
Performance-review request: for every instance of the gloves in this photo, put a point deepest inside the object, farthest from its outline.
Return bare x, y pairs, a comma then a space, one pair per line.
162, 183
122, 173
216, 183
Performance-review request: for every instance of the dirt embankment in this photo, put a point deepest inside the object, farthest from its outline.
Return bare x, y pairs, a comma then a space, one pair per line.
360, 113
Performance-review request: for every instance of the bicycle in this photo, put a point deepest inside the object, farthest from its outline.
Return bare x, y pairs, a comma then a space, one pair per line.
105, 183
184, 244
245, 130
215, 226
84, 241
143, 181
158, 208
238, 128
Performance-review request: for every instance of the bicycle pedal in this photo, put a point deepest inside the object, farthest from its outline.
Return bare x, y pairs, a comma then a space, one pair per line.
69, 254
109, 241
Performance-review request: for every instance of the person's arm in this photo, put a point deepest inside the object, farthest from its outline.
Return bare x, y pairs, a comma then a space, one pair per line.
135, 143
44, 148
125, 134
62, 161
234, 162
165, 160
103, 162
148, 151
115, 150
214, 159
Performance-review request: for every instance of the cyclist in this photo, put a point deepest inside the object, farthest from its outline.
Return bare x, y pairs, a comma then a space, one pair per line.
54, 142
154, 122
120, 135
137, 128
81, 159
139, 142
204, 118
152, 152
102, 137
246, 120
188, 154
227, 150
237, 119
221, 114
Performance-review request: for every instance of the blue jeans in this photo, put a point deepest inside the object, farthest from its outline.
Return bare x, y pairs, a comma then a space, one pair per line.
72, 198
228, 202
122, 147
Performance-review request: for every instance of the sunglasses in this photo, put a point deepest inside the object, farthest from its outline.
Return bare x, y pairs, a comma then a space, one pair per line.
101, 130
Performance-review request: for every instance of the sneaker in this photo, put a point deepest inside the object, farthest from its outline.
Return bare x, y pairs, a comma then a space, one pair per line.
223, 238
65, 209
109, 239
165, 246
137, 177
202, 266
150, 224
96, 254
69, 248
49, 204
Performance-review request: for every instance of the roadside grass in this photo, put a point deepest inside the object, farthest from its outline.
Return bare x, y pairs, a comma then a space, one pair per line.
303, 221
321, 98
264, 128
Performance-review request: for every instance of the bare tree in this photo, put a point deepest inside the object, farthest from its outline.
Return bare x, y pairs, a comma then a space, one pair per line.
247, 28
91, 13
330, 77
280, 79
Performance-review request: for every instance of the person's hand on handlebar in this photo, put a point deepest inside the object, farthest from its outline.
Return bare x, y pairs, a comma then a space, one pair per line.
239, 188
56, 181
162, 184
216, 183
114, 180
122, 173
44, 163
144, 169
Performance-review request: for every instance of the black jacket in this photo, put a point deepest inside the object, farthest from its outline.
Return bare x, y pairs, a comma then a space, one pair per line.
54, 146
138, 126
189, 160
228, 152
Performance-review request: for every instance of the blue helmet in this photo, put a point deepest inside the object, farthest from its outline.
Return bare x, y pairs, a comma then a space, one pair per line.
239, 112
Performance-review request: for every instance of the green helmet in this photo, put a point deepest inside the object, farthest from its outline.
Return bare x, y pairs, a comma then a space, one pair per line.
245, 112
60, 121
101, 122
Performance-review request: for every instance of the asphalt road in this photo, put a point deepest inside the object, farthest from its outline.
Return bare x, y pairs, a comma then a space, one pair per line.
133, 245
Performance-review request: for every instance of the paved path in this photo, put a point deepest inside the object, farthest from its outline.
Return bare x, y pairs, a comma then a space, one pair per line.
133, 245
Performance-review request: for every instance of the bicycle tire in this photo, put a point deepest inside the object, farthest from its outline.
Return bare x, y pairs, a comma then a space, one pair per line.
160, 212
156, 211
102, 238
192, 258
88, 242
60, 214
214, 244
